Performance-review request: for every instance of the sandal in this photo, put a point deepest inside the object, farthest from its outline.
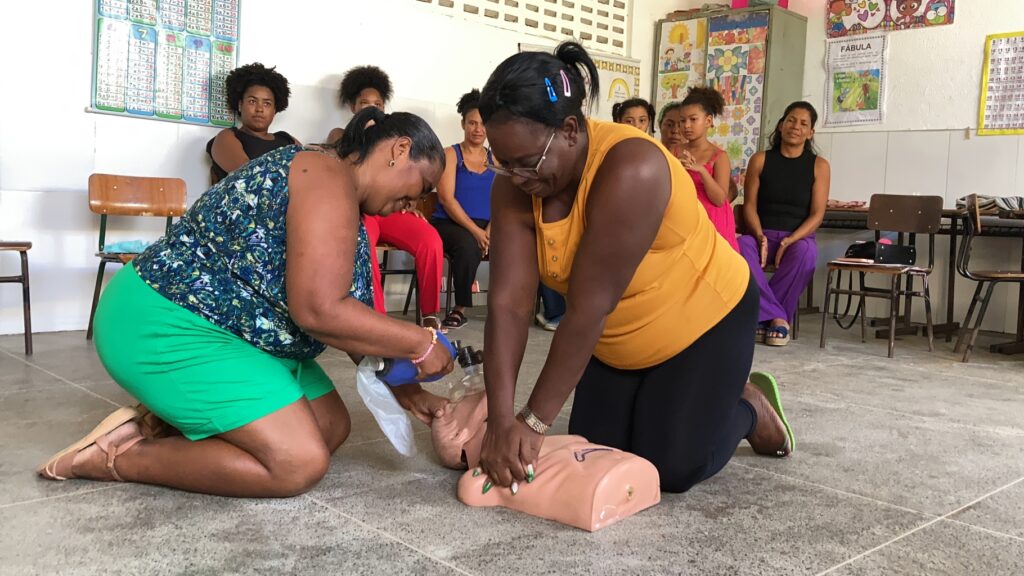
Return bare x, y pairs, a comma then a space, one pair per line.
455, 319
59, 466
760, 333
151, 426
432, 322
768, 386
777, 336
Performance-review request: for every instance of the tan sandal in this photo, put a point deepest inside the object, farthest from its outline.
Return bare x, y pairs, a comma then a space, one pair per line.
59, 466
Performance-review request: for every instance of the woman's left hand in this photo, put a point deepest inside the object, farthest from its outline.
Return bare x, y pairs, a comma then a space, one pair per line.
508, 451
785, 243
689, 162
415, 212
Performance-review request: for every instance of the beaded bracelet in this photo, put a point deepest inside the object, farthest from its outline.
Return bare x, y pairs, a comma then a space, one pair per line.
433, 341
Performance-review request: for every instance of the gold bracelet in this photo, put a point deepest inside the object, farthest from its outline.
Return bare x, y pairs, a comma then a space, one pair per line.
531, 420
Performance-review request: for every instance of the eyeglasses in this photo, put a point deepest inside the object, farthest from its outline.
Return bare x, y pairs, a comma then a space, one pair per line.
527, 173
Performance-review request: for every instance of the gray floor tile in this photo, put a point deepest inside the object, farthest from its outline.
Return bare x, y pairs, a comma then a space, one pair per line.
1002, 512
144, 530
943, 549
918, 463
720, 527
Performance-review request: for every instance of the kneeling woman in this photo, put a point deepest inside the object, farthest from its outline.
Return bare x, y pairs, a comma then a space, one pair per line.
656, 336
215, 327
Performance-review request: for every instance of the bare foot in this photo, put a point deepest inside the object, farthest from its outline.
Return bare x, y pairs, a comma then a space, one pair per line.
91, 462
769, 435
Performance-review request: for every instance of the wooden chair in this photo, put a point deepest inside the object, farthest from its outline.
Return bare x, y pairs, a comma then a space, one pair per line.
986, 279
113, 195
907, 216
22, 249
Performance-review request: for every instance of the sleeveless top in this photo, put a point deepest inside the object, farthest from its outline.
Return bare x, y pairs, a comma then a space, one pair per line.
721, 216
784, 194
472, 189
253, 146
224, 259
687, 282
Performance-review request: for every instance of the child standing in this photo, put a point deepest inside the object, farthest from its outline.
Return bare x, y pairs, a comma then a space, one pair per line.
684, 131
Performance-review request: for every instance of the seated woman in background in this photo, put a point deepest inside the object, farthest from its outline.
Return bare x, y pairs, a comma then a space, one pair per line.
408, 230
256, 93
216, 331
684, 131
784, 202
636, 112
463, 215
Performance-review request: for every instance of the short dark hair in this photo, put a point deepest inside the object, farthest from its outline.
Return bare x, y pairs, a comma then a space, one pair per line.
619, 108
362, 77
470, 101
707, 98
244, 77
371, 126
668, 108
775, 140
546, 88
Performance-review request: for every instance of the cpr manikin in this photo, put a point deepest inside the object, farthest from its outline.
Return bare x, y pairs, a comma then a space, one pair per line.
576, 483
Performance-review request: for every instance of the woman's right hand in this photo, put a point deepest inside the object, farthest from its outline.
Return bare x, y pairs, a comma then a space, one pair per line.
438, 361
483, 240
762, 241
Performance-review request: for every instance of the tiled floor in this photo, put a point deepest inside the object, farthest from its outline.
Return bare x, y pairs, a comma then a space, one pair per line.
906, 466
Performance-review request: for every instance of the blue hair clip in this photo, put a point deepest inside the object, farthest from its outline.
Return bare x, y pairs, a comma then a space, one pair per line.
551, 91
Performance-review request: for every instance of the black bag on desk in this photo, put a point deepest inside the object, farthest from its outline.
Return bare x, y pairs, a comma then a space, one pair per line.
883, 253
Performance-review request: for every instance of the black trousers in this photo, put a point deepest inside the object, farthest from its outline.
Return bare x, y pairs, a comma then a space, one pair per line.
464, 256
684, 415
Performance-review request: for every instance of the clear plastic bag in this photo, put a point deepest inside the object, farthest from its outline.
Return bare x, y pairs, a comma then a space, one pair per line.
386, 410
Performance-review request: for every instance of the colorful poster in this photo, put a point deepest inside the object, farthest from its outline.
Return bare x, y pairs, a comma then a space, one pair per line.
735, 68
619, 79
146, 65
855, 78
851, 17
682, 50
1002, 85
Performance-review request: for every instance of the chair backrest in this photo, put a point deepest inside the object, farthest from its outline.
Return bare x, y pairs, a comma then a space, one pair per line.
900, 213
427, 204
972, 227
136, 195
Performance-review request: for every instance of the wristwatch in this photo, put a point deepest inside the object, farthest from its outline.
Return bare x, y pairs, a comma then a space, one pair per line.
535, 424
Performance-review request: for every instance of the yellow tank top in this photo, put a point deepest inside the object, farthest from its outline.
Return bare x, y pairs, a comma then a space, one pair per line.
688, 281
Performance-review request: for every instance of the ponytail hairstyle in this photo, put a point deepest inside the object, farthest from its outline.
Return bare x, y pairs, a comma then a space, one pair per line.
470, 101
545, 88
707, 98
775, 140
371, 126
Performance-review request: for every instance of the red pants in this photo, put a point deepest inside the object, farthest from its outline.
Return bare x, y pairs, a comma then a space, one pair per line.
416, 236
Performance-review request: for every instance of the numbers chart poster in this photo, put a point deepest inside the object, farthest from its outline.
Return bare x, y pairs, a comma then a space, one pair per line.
165, 59
1002, 85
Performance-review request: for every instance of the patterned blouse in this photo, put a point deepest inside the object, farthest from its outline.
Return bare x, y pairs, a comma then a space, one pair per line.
225, 259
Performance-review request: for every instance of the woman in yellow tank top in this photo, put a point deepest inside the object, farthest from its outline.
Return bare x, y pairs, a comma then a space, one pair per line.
656, 337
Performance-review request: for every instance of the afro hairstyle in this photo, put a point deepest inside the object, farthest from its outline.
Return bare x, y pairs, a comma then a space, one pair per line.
242, 78
362, 77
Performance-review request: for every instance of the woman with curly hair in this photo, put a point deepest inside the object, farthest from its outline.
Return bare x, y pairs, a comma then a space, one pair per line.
463, 215
684, 131
636, 112
256, 93
369, 86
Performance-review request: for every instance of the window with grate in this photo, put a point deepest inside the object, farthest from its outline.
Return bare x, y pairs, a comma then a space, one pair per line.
601, 24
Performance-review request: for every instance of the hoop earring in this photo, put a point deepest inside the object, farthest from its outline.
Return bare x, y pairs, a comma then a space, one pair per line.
391, 164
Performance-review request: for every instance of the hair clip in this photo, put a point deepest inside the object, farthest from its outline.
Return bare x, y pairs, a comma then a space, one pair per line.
551, 91
566, 87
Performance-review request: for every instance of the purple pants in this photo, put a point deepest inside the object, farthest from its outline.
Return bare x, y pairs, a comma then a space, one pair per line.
780, 294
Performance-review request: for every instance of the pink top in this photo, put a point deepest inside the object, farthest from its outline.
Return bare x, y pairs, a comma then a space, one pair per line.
721, 216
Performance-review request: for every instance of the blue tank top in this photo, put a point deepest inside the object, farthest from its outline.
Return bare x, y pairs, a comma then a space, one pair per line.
224, 260
472, 190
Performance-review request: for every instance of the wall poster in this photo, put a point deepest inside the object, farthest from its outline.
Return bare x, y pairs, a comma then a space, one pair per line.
1002, 85
165, 59
855, 78
852, 17
682, 51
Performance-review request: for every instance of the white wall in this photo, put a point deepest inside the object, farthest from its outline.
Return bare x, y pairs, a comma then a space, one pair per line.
49, 145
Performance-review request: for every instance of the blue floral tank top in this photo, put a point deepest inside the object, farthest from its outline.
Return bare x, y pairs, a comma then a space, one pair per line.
225, 259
